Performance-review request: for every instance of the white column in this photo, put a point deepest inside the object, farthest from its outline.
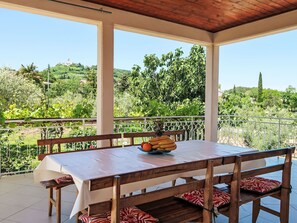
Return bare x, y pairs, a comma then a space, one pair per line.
105, 78
211, 94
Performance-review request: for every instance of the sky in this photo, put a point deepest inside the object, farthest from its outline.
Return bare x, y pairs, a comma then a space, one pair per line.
27, 38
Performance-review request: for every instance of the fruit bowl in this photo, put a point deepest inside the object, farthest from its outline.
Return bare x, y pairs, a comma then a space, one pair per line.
154, 151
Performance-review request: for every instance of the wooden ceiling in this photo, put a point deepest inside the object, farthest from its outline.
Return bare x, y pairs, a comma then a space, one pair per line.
209, 15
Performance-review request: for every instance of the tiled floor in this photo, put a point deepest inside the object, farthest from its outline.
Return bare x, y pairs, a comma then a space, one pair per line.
23, 201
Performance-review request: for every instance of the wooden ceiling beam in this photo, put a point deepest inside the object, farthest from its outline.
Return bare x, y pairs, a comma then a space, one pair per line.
275, 24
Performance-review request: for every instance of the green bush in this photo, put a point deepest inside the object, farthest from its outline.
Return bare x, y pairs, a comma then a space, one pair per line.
81, 131
263, 136
18, 157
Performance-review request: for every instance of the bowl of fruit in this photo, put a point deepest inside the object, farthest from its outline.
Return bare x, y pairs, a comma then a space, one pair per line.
158, 145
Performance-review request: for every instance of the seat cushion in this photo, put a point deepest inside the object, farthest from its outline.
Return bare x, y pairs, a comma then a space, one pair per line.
220, 198
259, 184
64, 179
127, 215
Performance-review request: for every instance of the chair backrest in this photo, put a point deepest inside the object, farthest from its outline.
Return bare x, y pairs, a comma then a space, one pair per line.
238, 198
119, 202
177, 135
285, 166
50, 143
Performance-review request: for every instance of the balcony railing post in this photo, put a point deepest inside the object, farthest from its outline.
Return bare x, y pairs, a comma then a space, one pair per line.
145, 124
229, 120
0, 161
192, 135
84, 132
279, 132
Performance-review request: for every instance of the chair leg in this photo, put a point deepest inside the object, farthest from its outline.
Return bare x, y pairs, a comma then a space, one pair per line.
58, 205
50, 201
173, 183
256, 209
77, 217
284, 206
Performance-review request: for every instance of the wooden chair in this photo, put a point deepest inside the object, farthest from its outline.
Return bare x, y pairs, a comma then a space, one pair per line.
50, 143
244, 192
163, 203
52, 185
160, 204
133, 136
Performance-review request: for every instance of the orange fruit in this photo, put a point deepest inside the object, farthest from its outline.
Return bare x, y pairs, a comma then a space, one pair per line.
146, 147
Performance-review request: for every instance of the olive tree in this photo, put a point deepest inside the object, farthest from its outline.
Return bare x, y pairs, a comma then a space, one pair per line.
17, 90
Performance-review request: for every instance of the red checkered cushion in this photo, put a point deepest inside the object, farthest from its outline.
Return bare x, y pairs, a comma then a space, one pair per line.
220, 198
64, 179
259, 184
127, 215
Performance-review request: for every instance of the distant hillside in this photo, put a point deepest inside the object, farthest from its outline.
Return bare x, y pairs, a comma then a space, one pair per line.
120, 72
240, 89
75, 71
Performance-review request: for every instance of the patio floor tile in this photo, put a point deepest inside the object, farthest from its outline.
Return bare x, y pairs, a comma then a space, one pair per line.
8, 187
8, 210
19, 199
43, 205
7, 221
33, 215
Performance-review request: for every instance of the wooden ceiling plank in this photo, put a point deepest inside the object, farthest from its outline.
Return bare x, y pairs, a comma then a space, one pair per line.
220, 17
185, 17
292, 2
243, 13
280, 3
274, 7
150, 9
257, 6
215, 9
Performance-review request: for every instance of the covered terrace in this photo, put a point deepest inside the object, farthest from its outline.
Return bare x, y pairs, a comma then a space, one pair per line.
211, 23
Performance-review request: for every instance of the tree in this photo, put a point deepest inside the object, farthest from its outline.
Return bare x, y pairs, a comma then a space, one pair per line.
271, 98
30, 72
230, 103
169, 79
17, 90
289, 98
260, 89
122, 83
92, 79
2, 119
234, 89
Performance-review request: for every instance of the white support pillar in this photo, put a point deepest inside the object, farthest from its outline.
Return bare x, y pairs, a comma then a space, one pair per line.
105, 78
211, 94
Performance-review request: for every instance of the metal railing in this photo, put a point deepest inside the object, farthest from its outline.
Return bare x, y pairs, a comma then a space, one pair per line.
263, 133
18, 149
193, 125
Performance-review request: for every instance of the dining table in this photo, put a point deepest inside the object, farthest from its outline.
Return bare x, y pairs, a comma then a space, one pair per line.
88, 165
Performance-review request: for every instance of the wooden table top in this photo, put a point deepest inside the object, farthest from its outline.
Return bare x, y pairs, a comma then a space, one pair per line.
94, 164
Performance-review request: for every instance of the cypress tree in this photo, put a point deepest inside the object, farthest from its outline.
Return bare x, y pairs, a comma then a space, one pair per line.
234, 89
260, 89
